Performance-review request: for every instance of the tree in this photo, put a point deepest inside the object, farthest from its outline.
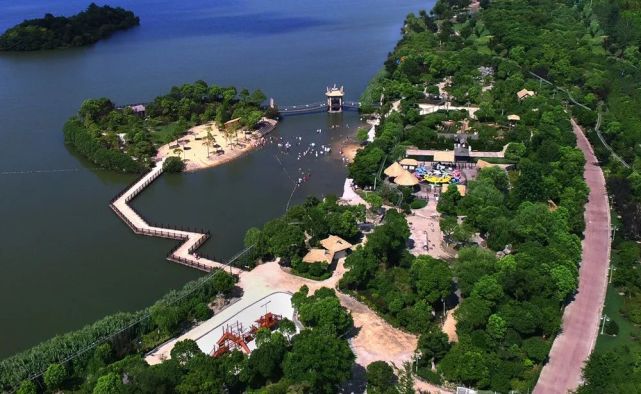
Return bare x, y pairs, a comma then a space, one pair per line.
472, 265
323, 311
489, 289
108, 384
173, 164
55, 376
388, 241
27, 387
496, 327
405, 379
465, 364
320, 359
361, 134
264, 364
380, 378
287, 327
565, 281
362, 264
530, 184
366, 165
432, 278
375, 201
209, 139
448, 201
472, 314
433, 345
285, 241
185, 350
514, 151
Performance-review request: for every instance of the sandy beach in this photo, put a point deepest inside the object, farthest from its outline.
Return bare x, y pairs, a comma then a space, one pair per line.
198, 154
349, 151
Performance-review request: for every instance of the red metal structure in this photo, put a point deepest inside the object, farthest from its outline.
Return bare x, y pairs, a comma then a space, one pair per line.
235, 337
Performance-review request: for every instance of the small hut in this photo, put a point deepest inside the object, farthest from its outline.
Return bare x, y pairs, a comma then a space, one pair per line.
406, 179
408, 163
337, 246
316, 255
524, 93
394, 170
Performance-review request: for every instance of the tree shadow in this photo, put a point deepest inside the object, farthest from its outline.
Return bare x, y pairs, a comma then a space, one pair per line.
358, 382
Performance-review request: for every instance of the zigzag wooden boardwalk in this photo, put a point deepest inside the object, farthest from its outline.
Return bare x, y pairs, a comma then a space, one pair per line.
184, 253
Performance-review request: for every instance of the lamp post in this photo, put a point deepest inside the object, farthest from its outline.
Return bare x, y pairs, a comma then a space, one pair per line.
605, 319
612, 268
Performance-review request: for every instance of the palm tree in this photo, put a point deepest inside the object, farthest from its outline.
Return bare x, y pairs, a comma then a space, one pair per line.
178, 151
209, 139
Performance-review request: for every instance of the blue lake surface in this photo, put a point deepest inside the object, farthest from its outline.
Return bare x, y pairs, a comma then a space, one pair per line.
65, 258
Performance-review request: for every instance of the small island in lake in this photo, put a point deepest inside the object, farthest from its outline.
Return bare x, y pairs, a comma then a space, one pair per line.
202, 125
84, 28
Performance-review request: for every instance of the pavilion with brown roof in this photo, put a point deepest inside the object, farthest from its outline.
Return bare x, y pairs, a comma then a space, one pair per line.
334, 248
524, 93
316, 255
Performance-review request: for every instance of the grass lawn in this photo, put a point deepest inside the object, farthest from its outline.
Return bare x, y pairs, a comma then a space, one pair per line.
166, 133
629, 333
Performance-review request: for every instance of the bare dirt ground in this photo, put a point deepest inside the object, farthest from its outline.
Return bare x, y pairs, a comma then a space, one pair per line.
449, 327
581, 318
426, 232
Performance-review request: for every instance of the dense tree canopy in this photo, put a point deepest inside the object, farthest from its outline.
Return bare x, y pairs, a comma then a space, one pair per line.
84, 28
120, 139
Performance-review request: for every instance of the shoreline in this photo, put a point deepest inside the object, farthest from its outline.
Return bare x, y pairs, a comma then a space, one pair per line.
193, 152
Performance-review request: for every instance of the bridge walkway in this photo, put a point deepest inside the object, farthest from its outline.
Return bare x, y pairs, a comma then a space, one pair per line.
185, 252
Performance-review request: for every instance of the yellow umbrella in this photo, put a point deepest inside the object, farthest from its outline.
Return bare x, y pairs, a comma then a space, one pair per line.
394, 170
406, 179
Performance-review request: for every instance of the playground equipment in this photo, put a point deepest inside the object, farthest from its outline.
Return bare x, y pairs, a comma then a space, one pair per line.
236, 337
438, 175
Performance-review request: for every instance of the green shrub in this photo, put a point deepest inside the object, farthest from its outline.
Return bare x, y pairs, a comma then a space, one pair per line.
173, 164
611, 327
418, 204
202, 312
429, 375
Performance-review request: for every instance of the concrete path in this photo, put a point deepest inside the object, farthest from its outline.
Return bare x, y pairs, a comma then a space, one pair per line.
185, 253
581, 318
425, 109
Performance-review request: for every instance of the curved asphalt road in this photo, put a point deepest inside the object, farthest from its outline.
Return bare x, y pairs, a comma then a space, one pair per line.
581, 318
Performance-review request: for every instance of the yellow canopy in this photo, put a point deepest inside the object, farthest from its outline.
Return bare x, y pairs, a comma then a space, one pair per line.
513, 117
406, 179
394, 170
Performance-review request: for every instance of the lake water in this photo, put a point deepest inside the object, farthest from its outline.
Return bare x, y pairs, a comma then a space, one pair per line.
65, 258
